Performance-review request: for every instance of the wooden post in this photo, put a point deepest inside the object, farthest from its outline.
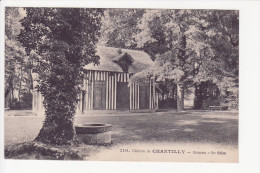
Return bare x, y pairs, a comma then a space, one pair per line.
154, 99
122, 77
115, 88
92, 95
150, 94
90, 90
138, 96
131, 100
134, 95
99, 75
112, 84
106, 90
110, 92
87, 95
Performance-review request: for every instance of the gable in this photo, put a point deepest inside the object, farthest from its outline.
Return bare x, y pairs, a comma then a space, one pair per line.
124, 60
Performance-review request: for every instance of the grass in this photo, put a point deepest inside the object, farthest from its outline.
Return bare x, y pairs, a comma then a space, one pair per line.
185, 128
213, 127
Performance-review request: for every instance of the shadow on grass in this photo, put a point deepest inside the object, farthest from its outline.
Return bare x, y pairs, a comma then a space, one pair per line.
178, 127
196, 126
163, 127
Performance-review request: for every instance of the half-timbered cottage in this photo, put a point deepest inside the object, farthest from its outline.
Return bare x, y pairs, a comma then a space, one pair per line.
106, 86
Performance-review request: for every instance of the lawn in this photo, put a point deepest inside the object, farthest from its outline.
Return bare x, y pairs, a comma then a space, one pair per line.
193, 128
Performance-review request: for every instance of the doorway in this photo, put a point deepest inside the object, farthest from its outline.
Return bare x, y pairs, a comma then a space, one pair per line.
123, 96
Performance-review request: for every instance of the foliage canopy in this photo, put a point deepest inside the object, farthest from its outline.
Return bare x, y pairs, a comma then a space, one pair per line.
61, 38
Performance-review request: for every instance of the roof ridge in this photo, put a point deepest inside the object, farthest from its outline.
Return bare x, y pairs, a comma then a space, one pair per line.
121, 48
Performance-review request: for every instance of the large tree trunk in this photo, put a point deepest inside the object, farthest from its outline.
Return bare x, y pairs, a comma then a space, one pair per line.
60, 108
180, 97
58, 127
56, 131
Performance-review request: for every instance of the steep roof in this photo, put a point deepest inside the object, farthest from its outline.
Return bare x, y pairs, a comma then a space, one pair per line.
108, 55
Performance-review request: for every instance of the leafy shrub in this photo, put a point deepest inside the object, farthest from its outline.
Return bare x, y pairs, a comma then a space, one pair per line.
231, 102
206, 103
168, 103
15, 104
25, 103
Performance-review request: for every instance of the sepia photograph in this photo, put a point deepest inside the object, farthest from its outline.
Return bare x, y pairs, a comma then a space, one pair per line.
129, 86
113, 84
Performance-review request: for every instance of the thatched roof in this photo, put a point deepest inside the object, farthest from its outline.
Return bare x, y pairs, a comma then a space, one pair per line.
109, 57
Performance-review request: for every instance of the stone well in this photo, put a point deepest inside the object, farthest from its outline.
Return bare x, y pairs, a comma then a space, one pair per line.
99, 134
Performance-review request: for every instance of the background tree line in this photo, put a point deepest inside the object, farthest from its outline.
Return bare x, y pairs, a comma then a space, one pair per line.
18, 66
193, 50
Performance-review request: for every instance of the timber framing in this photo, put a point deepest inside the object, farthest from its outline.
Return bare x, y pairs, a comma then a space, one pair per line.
107, 86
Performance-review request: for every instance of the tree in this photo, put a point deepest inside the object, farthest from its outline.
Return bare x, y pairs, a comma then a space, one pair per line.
222, 67
198, 45
174, 32
63, 41
119, 26
17, 64
206, 94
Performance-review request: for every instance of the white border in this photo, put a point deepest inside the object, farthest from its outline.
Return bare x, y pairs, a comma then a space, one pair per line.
249, 121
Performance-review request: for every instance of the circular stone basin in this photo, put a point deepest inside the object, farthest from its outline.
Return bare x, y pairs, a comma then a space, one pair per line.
97, 133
